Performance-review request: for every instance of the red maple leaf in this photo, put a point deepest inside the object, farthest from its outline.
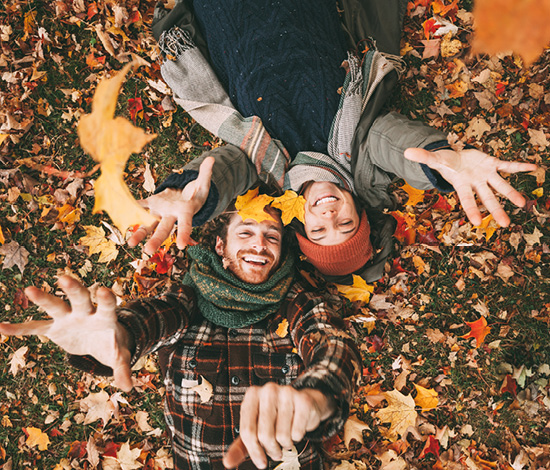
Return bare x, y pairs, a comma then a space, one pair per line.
441, 204
405, 231
135, 106
509, 385
478, 330
431, 447
163, 260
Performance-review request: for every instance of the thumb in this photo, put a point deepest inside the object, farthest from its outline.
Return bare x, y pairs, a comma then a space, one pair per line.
122, 374
415, 154
235, 454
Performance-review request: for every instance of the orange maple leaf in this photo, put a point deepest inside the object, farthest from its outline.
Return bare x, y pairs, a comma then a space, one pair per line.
405, 231
37, 438
426, 398
252, 206
415, 195
359, 290
291, 205
111, 141
503, 25
478, 330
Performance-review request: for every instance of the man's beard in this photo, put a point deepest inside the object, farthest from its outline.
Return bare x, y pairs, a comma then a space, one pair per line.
250, 276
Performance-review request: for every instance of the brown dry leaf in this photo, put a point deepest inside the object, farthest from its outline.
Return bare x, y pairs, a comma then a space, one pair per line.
530, 239
353, 429
204, 389
15, 254
17, 361
282, 329
426, 398
399, 413
290, 460
96, 242
128, 458
37, 438
97, 406
504, 25
111, 141
291, 206
251, 206
359, 290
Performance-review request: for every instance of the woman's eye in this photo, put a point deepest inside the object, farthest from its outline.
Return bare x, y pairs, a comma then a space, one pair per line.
347, 222
317, 230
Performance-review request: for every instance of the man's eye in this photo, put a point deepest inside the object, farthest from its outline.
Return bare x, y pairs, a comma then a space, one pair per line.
274, 239
244, 234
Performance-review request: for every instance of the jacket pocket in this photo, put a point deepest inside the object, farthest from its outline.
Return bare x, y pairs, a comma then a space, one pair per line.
194, 382
276, 367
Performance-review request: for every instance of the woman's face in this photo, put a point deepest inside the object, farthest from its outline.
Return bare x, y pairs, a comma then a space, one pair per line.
330, 214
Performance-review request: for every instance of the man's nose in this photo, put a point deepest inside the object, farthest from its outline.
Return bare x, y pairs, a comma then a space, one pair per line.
259, 242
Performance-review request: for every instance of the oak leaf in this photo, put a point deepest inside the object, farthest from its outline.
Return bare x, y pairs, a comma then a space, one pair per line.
96, 242
15, 254
111, 141
359, 290
399, 413
291, 205
37, 438
426, 398
252, 206
478, 330
504, 25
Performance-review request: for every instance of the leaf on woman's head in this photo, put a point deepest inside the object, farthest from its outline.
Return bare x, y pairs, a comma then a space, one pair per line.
111, 141
251, 206
291, 205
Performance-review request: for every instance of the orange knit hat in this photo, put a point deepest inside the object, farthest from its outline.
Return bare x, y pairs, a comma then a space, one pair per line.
342, 259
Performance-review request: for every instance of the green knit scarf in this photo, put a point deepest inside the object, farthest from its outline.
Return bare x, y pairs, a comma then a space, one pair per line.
227, 301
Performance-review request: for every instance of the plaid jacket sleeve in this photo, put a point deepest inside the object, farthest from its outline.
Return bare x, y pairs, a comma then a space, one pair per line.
152, 323
331, 359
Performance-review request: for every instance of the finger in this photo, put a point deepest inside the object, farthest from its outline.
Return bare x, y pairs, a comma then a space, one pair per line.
36, 327
249, 427
106, 303
285, 416
205, 173
235, 454
420, 155
164, 228
491, 203
121, 369
185, 226
469, 204
267, 420
515, 167
78, 295
306, 418
140, 234
507, 190
52, 305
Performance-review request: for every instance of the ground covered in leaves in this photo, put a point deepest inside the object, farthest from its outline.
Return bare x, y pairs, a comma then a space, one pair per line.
455, 337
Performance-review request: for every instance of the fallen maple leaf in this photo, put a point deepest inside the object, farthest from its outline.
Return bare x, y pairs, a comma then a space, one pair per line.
290, 460
415, 195
359, 290
353, 429
127, 458
478, 330
17, 361
111, 141
291, 206
399, 413
96, 242
487, 226
15, 254
37, 438
504, 25
252, 206
97, 406
282, 329
431, 447
426, 398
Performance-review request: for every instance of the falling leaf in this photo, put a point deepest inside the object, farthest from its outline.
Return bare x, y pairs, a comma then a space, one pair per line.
18, 360
128, 458
503, 25
359, 290
415, 195
290, 460
426, 398
97, 406
15, 254
111, 141
353, 429
37, 438
251, 206
291, 206
282, 329
399, 413
96, 242
478, 330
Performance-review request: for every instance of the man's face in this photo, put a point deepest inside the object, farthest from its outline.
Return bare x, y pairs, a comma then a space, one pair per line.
330, 214
252, 250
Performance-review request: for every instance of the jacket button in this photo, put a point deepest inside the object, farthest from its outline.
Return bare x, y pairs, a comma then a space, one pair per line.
193, 363
285, 369
232, 333
235, 380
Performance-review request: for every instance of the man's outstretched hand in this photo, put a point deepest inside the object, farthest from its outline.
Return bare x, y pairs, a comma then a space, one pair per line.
175, 205
79, 328
472, 171
273, 417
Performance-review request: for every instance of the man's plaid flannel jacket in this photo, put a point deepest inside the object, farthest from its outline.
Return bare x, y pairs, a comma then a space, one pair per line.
316, 353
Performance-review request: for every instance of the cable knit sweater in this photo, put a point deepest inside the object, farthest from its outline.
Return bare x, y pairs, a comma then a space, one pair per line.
295, 90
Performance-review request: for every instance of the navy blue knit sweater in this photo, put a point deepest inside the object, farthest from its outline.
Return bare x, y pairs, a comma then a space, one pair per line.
279, 60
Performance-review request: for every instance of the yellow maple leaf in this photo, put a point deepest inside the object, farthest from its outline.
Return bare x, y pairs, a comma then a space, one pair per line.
96, 242
37, 438
359, 290
488, 225
111, 141
399, 413
353, 429
415, 195
426, 398
251, 206
282, 329
3, 137
2, 239
291, 205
